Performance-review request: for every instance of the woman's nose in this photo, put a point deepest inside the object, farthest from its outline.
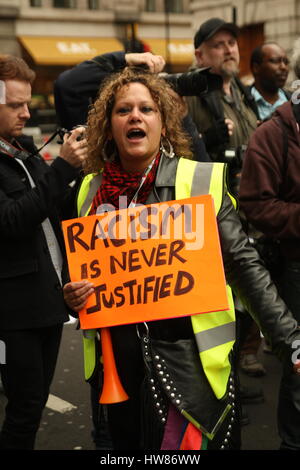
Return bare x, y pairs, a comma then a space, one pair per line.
135, 114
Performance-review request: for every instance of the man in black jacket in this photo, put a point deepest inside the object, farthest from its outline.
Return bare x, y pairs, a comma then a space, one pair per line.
226, 119
75, 90
33, 198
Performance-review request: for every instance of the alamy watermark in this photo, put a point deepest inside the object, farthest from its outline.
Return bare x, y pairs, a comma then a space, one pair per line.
296, 354
2, 92
2, 352
162, 221
295, 98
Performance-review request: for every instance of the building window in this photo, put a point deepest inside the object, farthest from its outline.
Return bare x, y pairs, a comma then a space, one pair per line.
93, 4
174, 6
35, 3
150, 5
64, 3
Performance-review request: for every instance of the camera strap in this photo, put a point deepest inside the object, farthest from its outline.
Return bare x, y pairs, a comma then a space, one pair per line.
20, 153
14, 152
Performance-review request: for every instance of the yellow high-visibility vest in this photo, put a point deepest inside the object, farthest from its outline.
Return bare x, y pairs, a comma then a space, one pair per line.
214, 331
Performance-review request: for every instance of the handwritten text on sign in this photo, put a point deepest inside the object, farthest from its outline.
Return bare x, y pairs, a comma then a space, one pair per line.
148, 263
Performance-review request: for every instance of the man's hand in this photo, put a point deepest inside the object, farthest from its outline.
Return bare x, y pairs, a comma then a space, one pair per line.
77, 293
155, 63
230, 126
74, 147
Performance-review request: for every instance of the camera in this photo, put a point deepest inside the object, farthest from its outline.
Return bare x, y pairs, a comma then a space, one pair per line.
194, 83
61, 131
234, 156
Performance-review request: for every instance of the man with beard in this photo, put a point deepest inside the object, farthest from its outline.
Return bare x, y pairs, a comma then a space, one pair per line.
225, 118
270, 68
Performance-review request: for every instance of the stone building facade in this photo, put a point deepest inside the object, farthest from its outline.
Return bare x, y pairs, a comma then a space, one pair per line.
55, 34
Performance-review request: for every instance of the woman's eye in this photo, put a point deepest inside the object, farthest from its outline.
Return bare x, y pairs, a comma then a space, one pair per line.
123, 110
146, 109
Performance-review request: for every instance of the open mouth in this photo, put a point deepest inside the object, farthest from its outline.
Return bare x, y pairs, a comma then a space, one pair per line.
135, 134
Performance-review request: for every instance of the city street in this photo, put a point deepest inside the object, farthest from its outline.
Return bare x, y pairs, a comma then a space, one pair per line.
66, 422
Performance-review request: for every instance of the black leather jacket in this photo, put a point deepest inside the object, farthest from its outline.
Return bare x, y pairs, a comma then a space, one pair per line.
244, 270
31, 296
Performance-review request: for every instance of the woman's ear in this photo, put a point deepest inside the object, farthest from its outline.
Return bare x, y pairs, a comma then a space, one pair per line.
163, 132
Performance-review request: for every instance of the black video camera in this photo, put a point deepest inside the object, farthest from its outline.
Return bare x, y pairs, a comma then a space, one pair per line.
194, 83
234, 156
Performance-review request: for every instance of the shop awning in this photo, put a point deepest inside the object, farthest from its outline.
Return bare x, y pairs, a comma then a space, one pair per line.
176, 51
47, 50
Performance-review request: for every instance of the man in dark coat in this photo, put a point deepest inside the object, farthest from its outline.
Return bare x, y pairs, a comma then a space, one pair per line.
270, 196
33, 198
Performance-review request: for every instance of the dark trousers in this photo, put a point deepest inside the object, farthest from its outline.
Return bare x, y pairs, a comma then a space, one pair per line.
31, 357
289, 393
253, 340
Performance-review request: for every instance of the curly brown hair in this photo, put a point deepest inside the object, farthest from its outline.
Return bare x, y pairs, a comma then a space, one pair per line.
99, 118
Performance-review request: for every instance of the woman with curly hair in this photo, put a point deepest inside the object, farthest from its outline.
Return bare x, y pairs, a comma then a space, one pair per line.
101, 145
178, 373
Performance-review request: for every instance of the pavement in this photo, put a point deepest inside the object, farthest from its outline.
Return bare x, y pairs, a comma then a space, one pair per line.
261, 433
66, 421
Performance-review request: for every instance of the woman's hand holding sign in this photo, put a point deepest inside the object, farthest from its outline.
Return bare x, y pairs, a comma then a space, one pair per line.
77, 293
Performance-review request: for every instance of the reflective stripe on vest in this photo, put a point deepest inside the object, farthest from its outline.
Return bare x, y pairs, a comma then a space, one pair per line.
214, 331
86, 194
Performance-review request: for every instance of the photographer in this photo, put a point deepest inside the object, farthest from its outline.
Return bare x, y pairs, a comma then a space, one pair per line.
33, 198
226, 118
76, 89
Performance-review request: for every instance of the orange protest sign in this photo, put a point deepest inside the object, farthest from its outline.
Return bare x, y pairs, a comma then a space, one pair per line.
148, 263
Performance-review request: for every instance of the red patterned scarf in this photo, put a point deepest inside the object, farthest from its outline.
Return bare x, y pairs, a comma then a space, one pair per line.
117, 182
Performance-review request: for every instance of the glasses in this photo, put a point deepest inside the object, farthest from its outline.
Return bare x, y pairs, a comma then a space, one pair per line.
278, 60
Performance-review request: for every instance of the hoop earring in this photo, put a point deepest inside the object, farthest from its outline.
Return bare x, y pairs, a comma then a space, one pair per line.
168, 153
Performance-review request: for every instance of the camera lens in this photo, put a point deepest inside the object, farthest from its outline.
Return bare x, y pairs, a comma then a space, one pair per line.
194, 83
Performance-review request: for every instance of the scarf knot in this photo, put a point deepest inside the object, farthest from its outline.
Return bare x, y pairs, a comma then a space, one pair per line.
117, 182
